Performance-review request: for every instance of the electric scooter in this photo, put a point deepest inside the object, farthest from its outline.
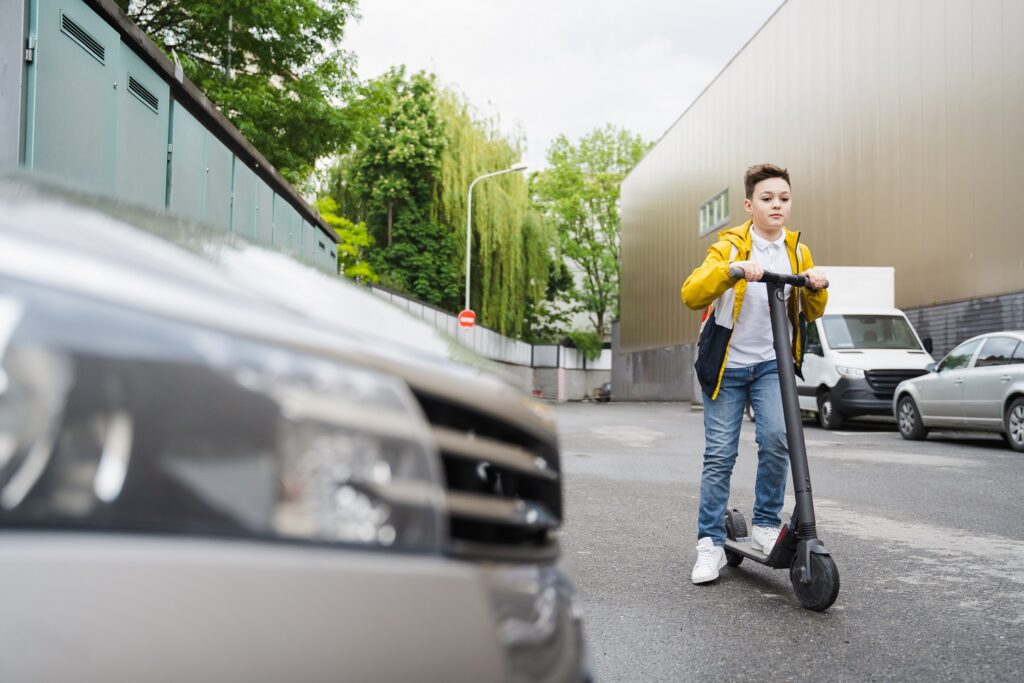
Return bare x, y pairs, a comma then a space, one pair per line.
812, 571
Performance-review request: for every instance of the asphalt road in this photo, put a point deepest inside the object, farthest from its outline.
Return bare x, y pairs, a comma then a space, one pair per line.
928, 537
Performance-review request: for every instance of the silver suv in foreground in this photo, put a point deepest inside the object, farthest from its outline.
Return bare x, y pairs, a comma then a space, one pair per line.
219, 464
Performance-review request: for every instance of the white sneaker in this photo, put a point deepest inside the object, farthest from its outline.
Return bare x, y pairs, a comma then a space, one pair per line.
710, 558
763, 538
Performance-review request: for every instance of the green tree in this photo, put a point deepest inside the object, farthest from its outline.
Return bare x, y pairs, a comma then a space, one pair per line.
512, 245
408, 177
398, 164
579, 191
587, 342
273, 67
394, 175
549, 318
354, 242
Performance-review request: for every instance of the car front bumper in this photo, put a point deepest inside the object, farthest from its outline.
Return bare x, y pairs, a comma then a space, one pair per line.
85, 606
853, 397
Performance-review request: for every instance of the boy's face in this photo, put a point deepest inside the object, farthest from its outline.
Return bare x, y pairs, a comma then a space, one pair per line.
770, 204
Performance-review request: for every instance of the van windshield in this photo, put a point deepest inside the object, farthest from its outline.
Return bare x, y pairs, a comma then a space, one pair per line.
869, 332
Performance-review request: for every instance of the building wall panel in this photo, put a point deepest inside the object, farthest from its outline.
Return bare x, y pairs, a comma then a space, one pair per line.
899, 121
264, 213
218, 183
187, 195
286, 226
327, 253
308, 247
243, 200
143, 101
72, 103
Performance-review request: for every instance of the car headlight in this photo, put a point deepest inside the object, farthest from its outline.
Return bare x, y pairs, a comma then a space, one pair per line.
849, 372
117, 420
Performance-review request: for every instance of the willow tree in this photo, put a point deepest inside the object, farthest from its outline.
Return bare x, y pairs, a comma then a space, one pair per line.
512, 246
407, 178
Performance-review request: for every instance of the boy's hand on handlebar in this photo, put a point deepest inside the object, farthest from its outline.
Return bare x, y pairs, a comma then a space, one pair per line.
816, 278
752, 272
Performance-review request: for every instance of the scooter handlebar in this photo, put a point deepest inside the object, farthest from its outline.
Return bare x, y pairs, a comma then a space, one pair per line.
794, 280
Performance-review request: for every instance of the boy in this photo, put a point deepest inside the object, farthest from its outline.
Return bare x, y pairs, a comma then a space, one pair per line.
736, 358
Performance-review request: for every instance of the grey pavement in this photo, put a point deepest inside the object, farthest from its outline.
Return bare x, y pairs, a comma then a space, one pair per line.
928, 537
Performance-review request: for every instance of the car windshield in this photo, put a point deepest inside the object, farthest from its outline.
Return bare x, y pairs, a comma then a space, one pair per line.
869, 332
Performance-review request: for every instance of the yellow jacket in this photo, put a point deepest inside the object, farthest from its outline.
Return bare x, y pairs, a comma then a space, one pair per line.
711, 283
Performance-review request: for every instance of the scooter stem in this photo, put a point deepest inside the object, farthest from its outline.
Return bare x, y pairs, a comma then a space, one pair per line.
804, 512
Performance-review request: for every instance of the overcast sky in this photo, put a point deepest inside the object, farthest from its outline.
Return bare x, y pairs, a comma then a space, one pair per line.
562, 66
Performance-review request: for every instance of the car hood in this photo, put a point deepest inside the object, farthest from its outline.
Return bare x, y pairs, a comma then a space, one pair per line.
881, 359
188, 271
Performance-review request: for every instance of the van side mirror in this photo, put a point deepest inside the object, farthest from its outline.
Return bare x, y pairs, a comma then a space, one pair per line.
927, 344
815, 349
930, 367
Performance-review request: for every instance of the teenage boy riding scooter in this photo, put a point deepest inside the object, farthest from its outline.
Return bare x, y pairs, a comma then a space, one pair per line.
737, 361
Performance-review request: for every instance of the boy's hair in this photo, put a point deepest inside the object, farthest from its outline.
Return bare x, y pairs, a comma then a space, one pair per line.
759, 172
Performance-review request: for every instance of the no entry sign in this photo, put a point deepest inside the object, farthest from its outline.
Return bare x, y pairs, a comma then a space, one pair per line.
467, 318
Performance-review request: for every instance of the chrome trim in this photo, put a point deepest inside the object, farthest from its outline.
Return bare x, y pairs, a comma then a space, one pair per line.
498, 552
481, 449
117, 451
500, 510
26, 476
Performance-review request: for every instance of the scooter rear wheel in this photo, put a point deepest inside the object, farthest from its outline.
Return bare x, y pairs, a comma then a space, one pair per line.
735, 527
822, 591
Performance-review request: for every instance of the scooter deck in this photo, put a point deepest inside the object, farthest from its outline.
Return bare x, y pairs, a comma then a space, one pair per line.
781, 557
742, 546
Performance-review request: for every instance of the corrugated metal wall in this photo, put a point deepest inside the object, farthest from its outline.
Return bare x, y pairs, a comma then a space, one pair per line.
900, 122
950, 324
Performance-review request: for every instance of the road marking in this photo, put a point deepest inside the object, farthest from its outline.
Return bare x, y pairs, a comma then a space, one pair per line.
628, 435
997, 556
942, 560
894, 458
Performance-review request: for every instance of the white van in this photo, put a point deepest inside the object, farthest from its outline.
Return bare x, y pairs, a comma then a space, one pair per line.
860, 349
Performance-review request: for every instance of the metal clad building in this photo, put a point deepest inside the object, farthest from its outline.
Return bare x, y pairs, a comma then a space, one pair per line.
900, 122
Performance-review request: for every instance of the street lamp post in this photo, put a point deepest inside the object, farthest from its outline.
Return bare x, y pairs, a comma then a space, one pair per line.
469, 216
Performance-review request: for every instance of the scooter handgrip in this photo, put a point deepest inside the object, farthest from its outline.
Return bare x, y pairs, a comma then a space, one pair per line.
736, 273
794, 280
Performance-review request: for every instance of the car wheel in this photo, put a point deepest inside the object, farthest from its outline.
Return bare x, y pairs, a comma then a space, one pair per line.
828, 417
908, 419
1014, 423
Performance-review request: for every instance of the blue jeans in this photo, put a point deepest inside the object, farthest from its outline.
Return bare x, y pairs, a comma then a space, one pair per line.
723, 418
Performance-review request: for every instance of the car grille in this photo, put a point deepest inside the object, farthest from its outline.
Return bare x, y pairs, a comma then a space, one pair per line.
883, 382
504, 487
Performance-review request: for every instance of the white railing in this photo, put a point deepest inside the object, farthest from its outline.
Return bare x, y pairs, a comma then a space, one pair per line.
490, 344
555, 356
484, 341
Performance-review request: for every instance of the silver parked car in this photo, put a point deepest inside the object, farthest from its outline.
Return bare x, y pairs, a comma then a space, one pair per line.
979, 385
218, 464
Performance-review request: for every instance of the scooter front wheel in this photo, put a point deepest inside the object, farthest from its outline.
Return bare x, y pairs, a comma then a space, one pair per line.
822, 591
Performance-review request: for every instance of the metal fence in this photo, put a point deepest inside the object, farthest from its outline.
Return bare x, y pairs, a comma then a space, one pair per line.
491, 344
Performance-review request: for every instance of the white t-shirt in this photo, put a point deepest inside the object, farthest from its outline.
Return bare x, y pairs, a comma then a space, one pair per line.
752, 336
